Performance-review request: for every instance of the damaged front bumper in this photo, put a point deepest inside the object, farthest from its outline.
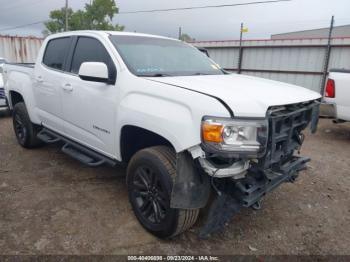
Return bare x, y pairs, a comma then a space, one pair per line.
257, 183
243, 182
285, 137
233, 194
237, 170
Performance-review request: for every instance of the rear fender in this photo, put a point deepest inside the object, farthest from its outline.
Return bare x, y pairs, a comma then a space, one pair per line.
22, 84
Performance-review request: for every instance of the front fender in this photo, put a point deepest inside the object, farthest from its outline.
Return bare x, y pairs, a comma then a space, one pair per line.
170, 112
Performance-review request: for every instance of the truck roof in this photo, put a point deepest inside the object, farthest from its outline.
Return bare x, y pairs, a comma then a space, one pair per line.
104, 33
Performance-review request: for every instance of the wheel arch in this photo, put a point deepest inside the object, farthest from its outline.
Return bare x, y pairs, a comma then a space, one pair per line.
134, 138
15, 97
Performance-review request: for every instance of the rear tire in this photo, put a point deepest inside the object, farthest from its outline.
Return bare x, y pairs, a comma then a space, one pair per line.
26, 132
150, 176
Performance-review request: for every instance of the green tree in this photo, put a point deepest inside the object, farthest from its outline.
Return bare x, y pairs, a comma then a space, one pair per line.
57, 21
96, 16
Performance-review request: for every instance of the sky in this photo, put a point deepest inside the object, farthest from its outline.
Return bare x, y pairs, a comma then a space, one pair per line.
202, 24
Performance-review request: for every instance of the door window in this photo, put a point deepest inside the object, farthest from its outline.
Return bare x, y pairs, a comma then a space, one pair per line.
90, 50
55, 53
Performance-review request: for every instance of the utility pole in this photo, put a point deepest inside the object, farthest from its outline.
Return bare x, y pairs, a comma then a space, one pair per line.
180, 32
66, 20
240, 50
327, 56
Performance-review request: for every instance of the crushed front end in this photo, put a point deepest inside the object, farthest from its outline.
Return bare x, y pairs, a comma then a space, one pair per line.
247, 158
280, 163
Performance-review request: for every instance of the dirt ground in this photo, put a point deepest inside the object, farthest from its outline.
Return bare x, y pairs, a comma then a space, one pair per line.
52, 204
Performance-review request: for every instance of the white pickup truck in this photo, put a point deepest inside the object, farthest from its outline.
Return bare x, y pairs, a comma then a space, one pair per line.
186, 128
337, 95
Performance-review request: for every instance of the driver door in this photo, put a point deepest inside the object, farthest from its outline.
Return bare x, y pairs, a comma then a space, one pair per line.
89, 108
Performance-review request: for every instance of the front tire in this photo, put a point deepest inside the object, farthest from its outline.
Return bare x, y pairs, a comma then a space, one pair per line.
25, 130
150, 178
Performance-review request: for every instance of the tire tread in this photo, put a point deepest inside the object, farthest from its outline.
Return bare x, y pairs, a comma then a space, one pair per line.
186, 217
32, 129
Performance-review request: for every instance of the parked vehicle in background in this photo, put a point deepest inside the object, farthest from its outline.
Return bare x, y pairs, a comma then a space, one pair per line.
337, 95
185, 127
3, 101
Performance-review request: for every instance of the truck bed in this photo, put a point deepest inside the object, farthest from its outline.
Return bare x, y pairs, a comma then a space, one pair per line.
31, 65
21, 75
25, 68
337, 70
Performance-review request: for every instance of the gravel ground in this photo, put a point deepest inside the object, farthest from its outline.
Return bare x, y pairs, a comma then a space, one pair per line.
52, 204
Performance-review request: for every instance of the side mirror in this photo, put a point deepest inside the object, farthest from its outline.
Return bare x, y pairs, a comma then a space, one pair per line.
94, 71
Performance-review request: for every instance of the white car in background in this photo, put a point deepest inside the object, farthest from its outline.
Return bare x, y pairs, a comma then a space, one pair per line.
3, 102
337, 95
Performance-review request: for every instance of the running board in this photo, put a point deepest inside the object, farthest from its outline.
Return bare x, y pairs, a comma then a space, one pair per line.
81, 153
47, 136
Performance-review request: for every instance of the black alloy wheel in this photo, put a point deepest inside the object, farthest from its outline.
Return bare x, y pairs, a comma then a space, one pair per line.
20, 129
150, 195
150, 177
25, 131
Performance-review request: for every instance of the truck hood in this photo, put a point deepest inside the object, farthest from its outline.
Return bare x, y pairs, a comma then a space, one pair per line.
247, 96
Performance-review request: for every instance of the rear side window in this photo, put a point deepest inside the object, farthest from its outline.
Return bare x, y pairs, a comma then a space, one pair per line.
55, 53
90, 50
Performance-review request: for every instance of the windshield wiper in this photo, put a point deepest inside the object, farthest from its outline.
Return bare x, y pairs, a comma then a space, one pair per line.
155, 75
207, 74
200, 74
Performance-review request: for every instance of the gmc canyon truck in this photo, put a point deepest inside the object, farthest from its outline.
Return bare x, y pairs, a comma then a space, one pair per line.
191, 134
337, 95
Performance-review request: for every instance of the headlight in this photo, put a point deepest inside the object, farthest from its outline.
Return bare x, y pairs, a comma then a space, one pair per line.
239, 136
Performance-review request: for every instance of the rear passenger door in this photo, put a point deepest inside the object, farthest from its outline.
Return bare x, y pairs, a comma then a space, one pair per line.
48, 78
89, 108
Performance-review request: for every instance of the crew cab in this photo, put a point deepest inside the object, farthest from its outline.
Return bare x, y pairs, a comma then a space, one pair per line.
337, 95
185, 128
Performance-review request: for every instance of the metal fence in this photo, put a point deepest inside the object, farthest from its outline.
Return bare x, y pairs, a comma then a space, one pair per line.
295, 61
19, 49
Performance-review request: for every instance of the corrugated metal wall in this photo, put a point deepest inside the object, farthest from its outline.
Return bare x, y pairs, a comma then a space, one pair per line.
297, 61
19, 49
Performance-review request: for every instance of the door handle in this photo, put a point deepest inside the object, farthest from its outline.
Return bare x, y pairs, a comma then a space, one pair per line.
39, 79
67, 87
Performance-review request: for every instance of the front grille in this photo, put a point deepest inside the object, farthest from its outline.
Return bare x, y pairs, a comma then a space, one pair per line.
286, 124
2, 93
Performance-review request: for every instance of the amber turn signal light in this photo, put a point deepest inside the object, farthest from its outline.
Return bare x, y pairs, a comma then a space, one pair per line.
212, 132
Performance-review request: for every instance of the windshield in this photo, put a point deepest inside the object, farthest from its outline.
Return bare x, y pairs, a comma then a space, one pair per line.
150, 56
